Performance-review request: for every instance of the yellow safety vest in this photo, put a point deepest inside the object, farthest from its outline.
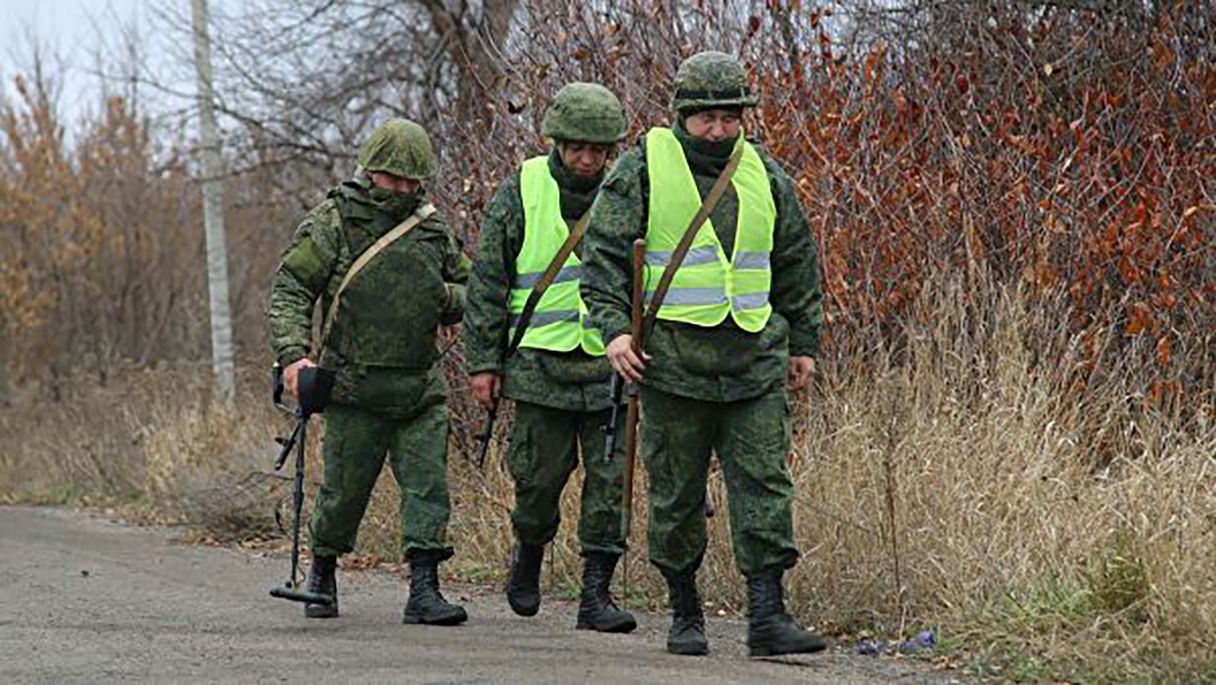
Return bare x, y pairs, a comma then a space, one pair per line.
708, 286
559, 322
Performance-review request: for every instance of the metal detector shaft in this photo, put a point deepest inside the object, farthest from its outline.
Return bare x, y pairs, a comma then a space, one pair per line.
291, 589
298, 497
288, 443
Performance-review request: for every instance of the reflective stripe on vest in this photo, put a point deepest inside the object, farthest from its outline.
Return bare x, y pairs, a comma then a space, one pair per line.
559, 322
708, 287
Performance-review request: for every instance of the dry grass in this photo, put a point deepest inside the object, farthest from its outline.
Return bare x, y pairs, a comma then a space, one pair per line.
153, 438
1057, 529
1050, 521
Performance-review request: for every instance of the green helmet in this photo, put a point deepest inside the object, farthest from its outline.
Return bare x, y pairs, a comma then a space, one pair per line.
399, 147
711, 79
585, 112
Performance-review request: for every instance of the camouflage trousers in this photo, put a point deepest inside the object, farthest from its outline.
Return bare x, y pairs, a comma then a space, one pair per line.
545, 448
751, 439
356, 442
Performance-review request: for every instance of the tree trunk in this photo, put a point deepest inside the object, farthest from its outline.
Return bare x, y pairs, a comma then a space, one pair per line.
475, 50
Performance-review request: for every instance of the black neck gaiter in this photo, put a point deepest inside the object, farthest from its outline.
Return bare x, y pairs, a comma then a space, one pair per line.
578, 192
705, 158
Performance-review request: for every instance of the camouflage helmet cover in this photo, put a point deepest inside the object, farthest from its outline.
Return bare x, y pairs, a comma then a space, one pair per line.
711, 79
399, 147
585, 112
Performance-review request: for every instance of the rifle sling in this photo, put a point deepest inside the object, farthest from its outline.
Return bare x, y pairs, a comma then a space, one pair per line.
690, 234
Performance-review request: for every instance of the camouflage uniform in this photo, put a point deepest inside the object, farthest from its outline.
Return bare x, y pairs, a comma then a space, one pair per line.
388, 395
714, 389
562, 399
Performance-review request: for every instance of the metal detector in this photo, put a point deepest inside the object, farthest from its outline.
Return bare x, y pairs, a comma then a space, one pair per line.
314, 385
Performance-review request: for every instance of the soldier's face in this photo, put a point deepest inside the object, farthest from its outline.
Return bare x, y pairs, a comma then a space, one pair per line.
584, 159
714, 125
397, 184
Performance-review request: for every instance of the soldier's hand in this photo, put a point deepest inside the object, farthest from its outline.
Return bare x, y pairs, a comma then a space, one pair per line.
625, 360
485, 387
291, 375
801, 370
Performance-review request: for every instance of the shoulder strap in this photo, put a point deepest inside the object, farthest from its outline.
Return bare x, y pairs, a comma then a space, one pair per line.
677, 256
400, 230
546, 279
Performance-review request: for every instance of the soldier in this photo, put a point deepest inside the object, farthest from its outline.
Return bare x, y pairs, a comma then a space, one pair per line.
738, 327
388, 392
558, 376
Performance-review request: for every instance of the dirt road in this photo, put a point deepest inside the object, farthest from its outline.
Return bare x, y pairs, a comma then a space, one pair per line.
87, 600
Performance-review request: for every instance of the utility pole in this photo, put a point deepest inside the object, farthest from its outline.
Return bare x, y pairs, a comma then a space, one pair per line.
213, 209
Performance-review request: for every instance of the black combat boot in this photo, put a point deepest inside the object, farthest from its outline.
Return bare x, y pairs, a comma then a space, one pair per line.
426, 605
687, 634
771, 631
523, 590
596, 610
322, 580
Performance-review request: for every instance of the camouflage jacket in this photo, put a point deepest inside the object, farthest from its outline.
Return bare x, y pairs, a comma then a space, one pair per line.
723, 363
562, 380
326, 243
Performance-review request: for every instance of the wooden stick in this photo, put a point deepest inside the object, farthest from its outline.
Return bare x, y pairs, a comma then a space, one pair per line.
633, 413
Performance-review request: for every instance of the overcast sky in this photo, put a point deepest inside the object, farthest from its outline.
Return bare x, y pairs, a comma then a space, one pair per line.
76, 31
72, 30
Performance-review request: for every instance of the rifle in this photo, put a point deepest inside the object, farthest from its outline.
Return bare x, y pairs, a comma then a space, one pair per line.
615, 390
487, 434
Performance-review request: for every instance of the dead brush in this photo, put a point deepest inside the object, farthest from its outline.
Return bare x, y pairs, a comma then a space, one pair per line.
1046, 513
1029, 493
153, 438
